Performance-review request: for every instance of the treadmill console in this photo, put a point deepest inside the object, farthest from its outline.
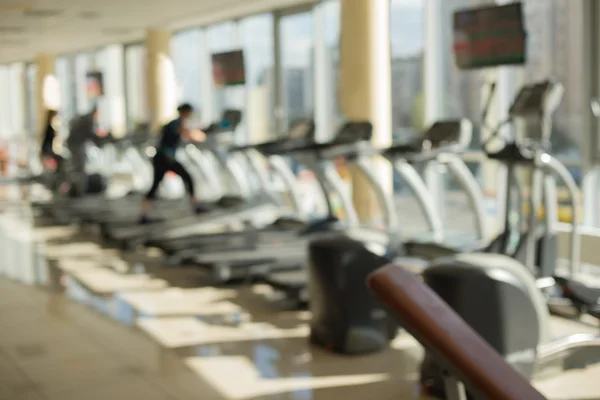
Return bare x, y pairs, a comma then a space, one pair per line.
354, 132
229, 122
452, 133
532, 108
537, 99
304, 129
233, 118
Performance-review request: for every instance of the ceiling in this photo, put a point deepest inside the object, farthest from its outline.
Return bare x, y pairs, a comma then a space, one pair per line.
30, 27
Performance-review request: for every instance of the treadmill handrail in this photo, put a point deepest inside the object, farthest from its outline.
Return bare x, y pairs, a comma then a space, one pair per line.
464, 353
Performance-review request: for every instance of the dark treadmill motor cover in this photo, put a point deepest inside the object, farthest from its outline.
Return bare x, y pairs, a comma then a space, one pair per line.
450, 136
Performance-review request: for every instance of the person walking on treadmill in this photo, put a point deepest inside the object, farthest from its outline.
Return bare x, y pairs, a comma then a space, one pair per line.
82, 129
164, 160
47, 150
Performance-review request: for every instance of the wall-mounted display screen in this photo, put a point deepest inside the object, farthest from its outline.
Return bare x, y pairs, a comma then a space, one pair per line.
489, 36
228, 68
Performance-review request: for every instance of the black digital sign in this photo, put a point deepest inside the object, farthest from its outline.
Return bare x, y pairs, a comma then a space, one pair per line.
228, 68
489, 36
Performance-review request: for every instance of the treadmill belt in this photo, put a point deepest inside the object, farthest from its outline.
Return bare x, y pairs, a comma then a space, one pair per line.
288, 280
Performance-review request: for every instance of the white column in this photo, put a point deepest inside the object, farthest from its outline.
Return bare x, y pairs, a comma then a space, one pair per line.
162, 88
433, 78
48, 92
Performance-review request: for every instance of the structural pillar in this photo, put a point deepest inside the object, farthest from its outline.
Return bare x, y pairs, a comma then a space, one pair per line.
47, 91
365, 87
162, 96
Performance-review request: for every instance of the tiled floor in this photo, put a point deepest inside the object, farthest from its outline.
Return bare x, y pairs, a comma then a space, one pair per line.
93, 324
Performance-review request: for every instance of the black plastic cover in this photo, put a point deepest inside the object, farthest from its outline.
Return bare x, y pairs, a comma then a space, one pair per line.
346, 316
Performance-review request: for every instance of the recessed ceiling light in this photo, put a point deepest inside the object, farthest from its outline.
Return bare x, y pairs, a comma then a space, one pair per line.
89, 15
41, 13
15, 7
12, 29
116, 31
12, 42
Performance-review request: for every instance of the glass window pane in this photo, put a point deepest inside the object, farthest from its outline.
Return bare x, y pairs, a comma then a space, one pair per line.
16, 97
186, 53
331, 10
65, 75
102, 64
407, 38
222, 38
555, 34
135, 86
84, 63
257, 41
297, 42
4, 103
31, 90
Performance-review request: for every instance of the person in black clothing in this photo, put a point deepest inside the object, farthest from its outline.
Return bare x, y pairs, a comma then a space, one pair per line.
47, 150
164, 160
82, 129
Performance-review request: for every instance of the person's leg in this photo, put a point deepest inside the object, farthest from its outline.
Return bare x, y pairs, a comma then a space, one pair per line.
160, 169
79, 177
180, 170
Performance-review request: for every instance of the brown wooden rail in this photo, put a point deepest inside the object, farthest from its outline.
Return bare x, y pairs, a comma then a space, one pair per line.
440, 329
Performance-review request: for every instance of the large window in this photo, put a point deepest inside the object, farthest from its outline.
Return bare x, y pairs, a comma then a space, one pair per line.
109, 61
221, 38
84, 63
4, 103
135, 86
65, 74
328, 56
555, 34
31, 82
187, 48
257, 41
407, 37
296, 49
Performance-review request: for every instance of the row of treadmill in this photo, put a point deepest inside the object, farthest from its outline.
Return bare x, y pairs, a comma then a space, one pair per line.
258, 230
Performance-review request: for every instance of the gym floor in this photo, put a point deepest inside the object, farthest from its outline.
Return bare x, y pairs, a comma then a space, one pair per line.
92, 324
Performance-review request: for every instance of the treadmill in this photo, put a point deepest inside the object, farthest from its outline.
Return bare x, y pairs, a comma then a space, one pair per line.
228, 210
245, 237
441, 139
274, 249
125, 207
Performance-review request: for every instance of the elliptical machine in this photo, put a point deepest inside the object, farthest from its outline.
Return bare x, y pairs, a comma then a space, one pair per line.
497, 294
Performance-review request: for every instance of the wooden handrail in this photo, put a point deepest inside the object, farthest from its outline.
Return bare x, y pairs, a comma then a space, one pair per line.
441, 330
